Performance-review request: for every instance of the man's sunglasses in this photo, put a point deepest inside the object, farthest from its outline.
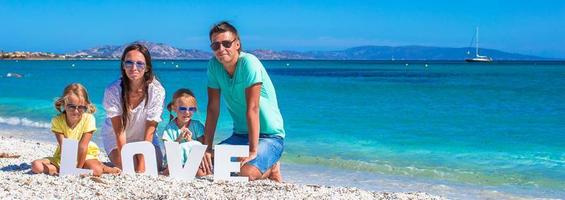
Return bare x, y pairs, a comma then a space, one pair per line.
226, 43
186, 109
73, 107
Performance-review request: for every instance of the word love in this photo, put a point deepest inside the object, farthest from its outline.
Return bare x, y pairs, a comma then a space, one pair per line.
222, 158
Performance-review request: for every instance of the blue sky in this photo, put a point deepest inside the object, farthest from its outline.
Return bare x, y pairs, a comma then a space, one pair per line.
529, 27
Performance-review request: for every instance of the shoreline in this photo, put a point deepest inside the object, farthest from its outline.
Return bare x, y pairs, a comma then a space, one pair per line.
15, 138
17, 182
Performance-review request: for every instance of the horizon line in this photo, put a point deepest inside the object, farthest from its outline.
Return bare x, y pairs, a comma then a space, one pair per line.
286, 50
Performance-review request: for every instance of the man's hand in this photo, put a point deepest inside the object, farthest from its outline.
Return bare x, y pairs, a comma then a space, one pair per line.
206, 164
252, 155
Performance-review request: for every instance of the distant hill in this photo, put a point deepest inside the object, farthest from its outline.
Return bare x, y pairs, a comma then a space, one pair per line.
391, 53
165, 51
157, 51
281, 55
413, 53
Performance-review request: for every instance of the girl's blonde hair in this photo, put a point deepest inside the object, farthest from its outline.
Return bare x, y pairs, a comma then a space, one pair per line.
74, 89
181, 93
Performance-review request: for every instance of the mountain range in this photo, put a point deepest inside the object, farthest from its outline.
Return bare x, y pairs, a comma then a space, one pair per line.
157, 51
165, 51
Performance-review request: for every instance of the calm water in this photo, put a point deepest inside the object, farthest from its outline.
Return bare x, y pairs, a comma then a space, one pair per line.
497, 125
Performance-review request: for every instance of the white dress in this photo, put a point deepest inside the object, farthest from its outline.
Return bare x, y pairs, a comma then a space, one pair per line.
135, 129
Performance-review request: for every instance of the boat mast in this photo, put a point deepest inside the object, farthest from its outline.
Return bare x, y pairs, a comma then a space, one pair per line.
477, 48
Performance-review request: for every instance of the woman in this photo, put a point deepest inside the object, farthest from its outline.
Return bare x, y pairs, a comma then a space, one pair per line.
133, 105
252, 102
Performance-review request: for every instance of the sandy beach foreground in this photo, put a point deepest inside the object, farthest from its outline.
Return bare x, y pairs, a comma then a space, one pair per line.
16, 182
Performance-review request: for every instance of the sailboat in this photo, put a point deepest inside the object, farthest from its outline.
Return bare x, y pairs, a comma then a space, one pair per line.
478, 58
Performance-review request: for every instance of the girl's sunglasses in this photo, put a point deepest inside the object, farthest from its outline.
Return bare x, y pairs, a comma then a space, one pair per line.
128, 64
73, 107
226, 43
186, 109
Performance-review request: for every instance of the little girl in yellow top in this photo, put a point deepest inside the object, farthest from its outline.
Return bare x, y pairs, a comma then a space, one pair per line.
76, 122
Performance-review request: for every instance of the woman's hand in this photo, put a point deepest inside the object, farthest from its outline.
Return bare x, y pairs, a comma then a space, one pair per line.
140, 161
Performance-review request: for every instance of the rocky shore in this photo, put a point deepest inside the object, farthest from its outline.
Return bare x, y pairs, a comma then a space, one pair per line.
16, 182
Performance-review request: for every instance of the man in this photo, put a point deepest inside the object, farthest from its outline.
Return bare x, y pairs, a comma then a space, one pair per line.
251, 101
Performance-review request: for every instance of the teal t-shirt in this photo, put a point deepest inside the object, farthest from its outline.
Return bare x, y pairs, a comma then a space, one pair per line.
248, 72
172, 132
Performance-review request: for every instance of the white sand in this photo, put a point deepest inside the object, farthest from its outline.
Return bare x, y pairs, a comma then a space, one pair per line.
17, 182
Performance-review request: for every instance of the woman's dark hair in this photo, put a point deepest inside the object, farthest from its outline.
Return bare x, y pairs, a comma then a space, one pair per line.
148, 77
222, 27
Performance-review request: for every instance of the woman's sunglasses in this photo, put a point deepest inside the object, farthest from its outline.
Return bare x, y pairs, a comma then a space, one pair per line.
73, 107
186, 109
226, 43
128, 64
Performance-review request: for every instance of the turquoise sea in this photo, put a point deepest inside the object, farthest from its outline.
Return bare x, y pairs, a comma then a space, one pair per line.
482, 129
